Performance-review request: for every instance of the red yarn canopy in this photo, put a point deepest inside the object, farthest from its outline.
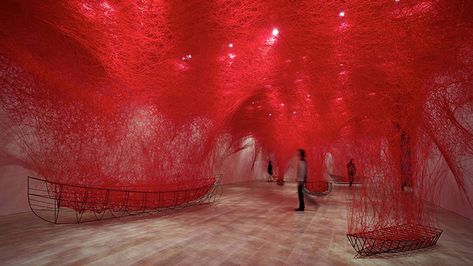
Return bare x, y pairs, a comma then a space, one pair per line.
141, 93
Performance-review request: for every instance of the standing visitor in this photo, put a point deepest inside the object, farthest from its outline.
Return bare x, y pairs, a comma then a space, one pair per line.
351, 171
301, 179
270, 171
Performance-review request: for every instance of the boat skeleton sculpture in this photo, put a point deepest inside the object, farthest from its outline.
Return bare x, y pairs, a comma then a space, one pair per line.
61, 203
317, 188
113, 92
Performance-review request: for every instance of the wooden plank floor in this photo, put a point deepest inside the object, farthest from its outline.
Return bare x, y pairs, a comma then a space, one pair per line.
252, 224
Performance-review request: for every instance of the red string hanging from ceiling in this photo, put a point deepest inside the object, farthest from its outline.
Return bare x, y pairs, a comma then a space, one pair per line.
141, 93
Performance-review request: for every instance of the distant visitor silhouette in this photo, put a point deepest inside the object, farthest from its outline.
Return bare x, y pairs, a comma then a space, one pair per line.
301, 179
270, 171
351, 169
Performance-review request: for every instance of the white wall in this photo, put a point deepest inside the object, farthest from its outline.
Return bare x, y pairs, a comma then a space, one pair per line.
447, 194
450, 198
13, 176
13, 179
239, 167
13, 189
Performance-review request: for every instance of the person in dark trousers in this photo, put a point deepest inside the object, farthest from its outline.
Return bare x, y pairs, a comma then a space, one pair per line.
270, 171
301, 179
351, 171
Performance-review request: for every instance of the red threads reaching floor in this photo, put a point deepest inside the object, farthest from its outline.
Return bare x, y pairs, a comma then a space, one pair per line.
126, 93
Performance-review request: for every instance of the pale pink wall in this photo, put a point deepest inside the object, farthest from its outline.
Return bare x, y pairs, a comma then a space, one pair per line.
244, 165
450, 197
13, 175
447, 194
13, 186
237, 167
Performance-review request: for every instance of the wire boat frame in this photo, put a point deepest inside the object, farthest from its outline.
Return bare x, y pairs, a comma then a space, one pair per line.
61, 203
394, 239
317, 188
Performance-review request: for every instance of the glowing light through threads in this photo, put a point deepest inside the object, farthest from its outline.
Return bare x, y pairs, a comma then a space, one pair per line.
106, 6
272, 39
336, 57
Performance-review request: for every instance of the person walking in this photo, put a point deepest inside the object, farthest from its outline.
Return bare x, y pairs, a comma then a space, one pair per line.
301, 179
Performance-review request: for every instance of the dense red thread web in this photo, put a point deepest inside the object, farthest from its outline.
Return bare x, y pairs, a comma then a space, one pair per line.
146, 93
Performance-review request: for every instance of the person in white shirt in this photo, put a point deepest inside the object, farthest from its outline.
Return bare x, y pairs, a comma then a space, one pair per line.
301, 179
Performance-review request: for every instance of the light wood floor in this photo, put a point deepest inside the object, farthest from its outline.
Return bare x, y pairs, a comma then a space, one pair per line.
252, 224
